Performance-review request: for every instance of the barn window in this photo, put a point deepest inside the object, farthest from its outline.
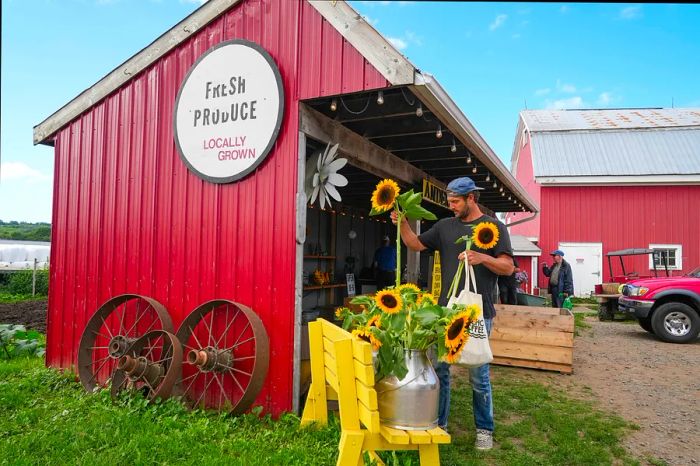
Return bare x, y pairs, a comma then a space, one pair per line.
672, 254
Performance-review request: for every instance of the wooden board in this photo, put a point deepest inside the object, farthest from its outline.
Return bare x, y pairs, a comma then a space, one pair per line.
533, 337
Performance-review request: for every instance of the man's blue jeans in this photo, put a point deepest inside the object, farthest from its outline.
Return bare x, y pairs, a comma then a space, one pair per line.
482, 399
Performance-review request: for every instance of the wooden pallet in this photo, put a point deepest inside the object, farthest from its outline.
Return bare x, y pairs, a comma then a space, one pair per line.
534, 337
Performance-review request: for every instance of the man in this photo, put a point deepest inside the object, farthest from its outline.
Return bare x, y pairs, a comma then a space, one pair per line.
561, 282
385, 264
463, 198
508, 286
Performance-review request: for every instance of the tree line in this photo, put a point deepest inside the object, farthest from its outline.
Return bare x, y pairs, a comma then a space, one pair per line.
24, 231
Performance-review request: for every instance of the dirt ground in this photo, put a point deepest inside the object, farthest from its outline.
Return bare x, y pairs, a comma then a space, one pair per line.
656, 385
653, 384
31, 314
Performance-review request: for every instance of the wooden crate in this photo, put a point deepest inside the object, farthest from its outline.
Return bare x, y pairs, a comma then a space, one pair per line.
534, 337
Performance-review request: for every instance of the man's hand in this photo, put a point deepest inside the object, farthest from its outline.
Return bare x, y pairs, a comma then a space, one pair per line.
473, 257
394, 217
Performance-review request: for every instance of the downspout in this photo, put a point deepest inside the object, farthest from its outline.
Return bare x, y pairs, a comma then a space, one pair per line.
523, 220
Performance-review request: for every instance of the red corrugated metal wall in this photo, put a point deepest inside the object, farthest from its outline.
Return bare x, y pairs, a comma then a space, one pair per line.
620, 218
129, 217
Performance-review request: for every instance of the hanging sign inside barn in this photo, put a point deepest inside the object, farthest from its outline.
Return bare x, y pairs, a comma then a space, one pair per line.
229, 111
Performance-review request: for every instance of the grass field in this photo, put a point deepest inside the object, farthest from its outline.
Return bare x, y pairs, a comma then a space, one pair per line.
49, 419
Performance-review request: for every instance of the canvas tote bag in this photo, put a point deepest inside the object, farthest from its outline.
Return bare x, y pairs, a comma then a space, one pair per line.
477, 351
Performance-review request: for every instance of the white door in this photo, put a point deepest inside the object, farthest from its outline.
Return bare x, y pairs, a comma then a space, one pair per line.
586, 260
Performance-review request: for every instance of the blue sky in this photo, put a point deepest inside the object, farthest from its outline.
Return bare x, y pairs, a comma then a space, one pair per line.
492, 58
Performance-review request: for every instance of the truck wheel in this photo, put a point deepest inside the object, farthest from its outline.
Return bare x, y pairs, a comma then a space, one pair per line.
645, 323
604, 312
676, 322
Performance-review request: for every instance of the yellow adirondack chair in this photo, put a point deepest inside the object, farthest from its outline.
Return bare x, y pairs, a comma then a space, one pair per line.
341, 368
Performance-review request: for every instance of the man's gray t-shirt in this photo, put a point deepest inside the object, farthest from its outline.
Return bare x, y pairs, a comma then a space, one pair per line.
442, 236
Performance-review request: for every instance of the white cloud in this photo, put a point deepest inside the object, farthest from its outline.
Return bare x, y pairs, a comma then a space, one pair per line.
564, 87
398, 43
543, 91
498, 22
571, 102
21, 171
631, 12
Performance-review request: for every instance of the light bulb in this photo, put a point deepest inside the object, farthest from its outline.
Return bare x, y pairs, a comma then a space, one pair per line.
419, 110
503, 194
438, 133
474, 169
334, 105
453, 149
380, 98
501, 189
514, 201
469, 159
488, 177
495, 185
509, 198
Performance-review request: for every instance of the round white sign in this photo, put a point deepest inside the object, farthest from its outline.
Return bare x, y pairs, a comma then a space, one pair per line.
229, 111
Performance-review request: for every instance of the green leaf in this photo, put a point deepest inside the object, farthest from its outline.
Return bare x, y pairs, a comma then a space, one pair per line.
401, 199
417, 212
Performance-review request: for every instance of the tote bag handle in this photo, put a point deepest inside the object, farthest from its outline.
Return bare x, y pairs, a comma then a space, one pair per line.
458, 275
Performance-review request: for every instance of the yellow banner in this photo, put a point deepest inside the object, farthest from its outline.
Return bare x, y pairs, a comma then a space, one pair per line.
434, 193
437, 277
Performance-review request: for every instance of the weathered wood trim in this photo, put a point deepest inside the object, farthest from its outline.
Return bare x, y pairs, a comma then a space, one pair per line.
130, 68
358, 150
370, 43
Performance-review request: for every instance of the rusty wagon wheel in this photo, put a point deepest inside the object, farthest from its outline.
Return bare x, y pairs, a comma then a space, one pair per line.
109, 333
151, 366
226, 356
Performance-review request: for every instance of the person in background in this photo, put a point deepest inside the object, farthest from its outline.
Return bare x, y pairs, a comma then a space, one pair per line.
385, 264
508, 287
561, 281
462, 199
521, 279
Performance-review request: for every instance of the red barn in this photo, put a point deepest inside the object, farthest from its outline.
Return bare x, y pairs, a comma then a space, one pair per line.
608, 180
181, 175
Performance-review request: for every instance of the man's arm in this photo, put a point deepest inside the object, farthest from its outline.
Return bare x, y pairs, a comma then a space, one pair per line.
500, 265
569, 282
546, 270
409, 237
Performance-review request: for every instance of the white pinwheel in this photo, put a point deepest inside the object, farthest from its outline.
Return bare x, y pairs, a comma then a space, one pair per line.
322, 177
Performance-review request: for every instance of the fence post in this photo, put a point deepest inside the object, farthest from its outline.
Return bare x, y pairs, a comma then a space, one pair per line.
34, 278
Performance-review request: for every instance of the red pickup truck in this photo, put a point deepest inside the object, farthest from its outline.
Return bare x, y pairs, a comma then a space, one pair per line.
668, 307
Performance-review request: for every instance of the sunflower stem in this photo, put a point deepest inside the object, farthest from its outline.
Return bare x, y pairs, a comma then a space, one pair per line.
400, 216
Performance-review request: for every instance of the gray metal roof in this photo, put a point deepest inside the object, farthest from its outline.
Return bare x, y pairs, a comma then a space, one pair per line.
523, 246
609, 119
617, 153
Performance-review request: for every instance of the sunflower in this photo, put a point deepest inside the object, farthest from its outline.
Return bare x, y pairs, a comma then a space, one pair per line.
374, 322
410, 287
389, 301
452, 355
456, 330
365, 335
485, 235
427, 298
384, 195
340, 312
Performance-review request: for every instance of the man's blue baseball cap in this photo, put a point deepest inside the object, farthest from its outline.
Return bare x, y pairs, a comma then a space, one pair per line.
557, 252
462, 186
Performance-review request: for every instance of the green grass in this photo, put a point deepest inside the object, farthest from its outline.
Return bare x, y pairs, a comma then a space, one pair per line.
17, 298
580, 321
47, 418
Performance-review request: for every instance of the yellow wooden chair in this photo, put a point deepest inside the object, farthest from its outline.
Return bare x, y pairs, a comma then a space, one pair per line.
341, 368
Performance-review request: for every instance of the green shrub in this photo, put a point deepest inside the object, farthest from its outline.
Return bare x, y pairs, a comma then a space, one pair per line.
16, 341
20, 283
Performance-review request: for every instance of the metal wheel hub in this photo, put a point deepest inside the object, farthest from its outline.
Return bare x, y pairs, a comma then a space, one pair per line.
141, 368
677, 324
118, 345
211, 359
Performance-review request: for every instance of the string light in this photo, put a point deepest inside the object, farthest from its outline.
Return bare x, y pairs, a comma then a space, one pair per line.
488, 177
495, 185
509, 198
453, 149
474, 169
502, 193
334, 105
380, 98
438, 133
469, 158
501, 189
419, 110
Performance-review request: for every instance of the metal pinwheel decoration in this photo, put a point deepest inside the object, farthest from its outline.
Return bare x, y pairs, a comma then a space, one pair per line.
322, 177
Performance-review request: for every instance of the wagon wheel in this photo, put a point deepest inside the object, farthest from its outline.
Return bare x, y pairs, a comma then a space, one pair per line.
151, 366
226, 356
109, 333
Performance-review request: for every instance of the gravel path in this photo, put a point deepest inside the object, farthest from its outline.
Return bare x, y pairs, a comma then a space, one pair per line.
656, 385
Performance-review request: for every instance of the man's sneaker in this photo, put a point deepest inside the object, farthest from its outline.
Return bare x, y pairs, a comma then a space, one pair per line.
484, 439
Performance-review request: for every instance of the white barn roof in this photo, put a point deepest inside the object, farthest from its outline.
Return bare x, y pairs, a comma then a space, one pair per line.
614, 146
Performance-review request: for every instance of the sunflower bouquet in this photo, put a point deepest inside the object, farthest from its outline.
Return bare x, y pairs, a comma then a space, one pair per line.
404, 317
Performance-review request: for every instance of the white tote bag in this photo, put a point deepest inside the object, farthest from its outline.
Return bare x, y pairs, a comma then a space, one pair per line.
477, 351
